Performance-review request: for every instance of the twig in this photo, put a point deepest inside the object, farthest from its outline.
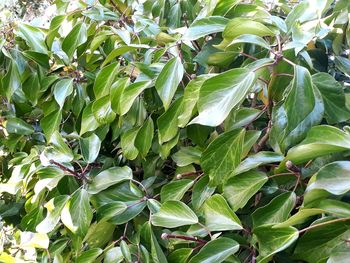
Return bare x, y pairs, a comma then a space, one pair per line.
264, 139
180, 176
194, 239
248, 56
324, 223
66, 169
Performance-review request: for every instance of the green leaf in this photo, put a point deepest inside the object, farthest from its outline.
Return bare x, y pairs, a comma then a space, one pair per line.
343, 64
90, 147
190, 99
40, 58
134, 208
300, 217
219, 216
54, 208
104, 80
50, 123
273, 240
248, 39
18, 126
220, 94
89, 256
180, 255
125, 250
77, 213
240, 188
320, 140
216, 250
117, 52
339, 254
333, 97
174, 214
201, 192
129, 95
256, 160
11, 81
223, 155
168, 80
205, 26
113, 255
144, 137
34, 37
88, 120
168, 122
175, 190
186, 156
316, 244
240, 26
240, 118
276, 211
109, 177
333, 177
290, 128
102, 110
127, 141
110, 210
61, 90
76, 37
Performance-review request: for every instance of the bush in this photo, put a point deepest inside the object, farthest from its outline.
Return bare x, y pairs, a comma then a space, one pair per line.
177, 131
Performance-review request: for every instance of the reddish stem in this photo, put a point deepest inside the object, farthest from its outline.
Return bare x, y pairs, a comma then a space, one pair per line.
195, 239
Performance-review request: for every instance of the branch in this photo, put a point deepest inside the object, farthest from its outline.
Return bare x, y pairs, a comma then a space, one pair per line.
324, 223
66, 169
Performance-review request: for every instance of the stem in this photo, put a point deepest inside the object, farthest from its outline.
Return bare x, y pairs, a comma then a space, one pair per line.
289, 62
264, 139
66, 169
248, 56
324, 223
281, 174
283, 74
138, 183
195, 239
180, 176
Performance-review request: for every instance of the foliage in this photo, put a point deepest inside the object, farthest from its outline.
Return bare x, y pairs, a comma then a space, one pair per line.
177, 131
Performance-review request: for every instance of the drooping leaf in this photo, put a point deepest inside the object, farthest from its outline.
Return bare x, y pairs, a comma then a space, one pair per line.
62, 89
205, 26
76, 37
168, 80
144, 137
90, 147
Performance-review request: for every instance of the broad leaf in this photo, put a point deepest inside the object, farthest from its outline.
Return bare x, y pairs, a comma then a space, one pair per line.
219, 216
223, 155
168, 80
220, 94
90, 147
205, 26
240, 188
76, 37
174, 214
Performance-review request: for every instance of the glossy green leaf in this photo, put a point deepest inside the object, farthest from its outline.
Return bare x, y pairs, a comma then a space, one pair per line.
168, 80
77, 214
201, 192
90, 147
104, 80
219, 216
50, 123
273, 240
333, 98
220, 94
102, 110
248, 39
168, 122
109, 177
276, 211
18, 126
127, 142
129, 95
175, 190
76, 37
89, 256
240, 188
54, 208
174, 214
205, 26
34, 37
110, 210
290, 128
216, 250
62, 89
186, 156
88, 120
228, 149
144, 137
